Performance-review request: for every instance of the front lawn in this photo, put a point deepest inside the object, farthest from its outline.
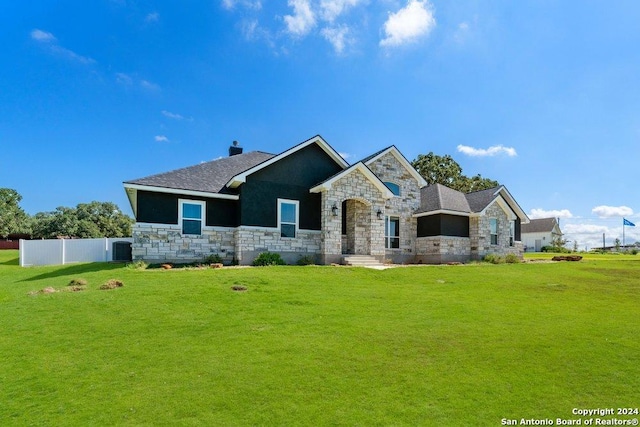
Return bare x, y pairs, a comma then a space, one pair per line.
428, 345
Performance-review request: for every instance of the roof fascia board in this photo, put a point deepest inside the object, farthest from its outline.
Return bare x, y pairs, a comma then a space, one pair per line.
373, 178
183, 192
513, 205
502, 203
442, 211
241, 178
400, 157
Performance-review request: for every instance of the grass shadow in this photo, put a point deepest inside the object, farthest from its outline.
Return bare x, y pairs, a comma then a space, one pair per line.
75, 269
12, 261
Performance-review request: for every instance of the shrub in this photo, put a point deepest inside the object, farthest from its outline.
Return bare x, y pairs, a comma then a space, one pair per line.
138, 265
634, 251
306, 260
511, 259
493, 259
213, 259
268, 258
77, 282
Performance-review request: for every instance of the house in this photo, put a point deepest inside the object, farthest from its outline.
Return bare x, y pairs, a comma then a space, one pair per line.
539, 233
308, 201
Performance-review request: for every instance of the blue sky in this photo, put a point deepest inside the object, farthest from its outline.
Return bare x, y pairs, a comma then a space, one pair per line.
543, 96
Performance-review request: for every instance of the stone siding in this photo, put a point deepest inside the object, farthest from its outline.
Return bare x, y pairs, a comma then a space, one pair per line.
389, 169
442, 249
480, 232
165, 243
369, 230
252, 241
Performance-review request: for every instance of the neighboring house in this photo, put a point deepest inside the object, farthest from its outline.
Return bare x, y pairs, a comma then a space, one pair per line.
308, 201
539, 233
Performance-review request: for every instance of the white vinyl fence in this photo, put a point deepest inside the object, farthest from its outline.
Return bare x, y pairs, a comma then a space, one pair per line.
65, 251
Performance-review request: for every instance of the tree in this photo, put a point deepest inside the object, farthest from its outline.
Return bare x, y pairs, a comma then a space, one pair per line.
87, 220
13, 219
446, 171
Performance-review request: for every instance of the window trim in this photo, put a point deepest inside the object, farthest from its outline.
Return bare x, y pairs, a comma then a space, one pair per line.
387, 237
491, 234
390, 189
181, 218
296, 224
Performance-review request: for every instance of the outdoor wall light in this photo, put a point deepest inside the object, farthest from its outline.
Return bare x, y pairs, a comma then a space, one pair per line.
334, 210
379, 213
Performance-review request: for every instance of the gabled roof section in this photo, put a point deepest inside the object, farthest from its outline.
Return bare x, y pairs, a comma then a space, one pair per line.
400, 157
326, 185
207, 178
541, 225
438, 198
241, 178
479, 201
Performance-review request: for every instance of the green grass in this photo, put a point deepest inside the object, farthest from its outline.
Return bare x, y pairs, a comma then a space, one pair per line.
431, 345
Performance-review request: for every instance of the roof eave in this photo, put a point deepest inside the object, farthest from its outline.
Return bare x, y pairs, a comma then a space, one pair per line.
181, 191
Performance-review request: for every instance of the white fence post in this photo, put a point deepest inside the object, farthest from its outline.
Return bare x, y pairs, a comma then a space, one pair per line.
62, 251
21, 252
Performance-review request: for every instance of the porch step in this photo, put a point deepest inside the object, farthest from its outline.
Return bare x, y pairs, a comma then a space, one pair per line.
361, 261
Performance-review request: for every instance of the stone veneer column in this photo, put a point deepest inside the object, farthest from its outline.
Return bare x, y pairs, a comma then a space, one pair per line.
331, 240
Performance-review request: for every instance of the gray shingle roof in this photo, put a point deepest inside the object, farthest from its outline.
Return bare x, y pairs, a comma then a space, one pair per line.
478, 200
437, 197
209, 177
541, 225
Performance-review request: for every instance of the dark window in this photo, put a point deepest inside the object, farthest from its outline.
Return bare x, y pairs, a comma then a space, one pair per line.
191, 214
288, 215
395, 188
392, 232
493, 224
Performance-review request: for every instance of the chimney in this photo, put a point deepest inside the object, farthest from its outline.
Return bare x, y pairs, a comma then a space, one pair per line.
235, 149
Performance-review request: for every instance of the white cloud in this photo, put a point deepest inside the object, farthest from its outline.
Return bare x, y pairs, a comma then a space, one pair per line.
337, 37
303, 19
124, 79
344, 155
231, 4
51, 43
161, 138
612, 211
462, 33
152, 17
43, 36
491, 151
146, 84
585, 229
331, 9
409, 24
171, 115
541, 213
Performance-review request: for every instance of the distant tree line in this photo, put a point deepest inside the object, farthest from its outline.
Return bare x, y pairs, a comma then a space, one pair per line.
87, 220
